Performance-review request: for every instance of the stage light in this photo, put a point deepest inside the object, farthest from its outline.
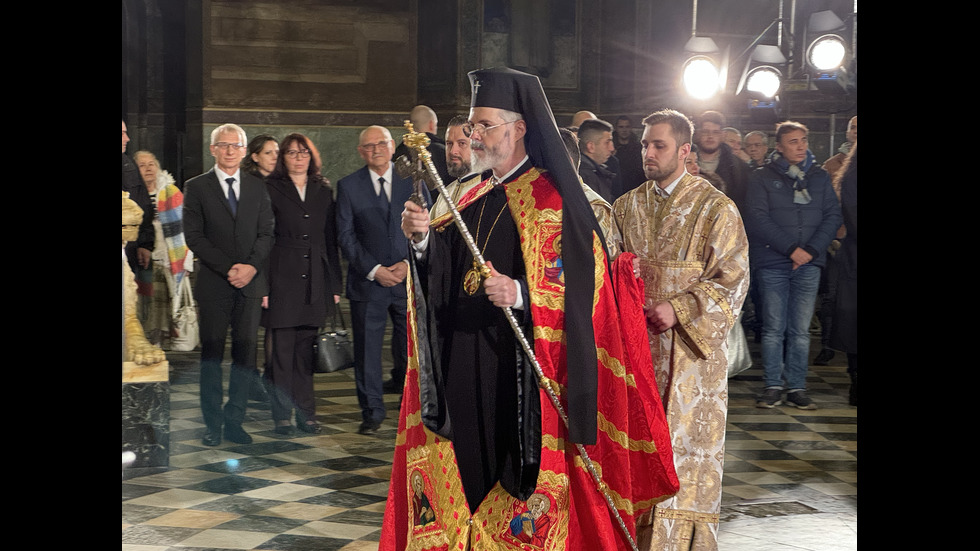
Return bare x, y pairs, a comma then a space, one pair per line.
826, 53
761, 77
701, 77
764, 81
827, 56
761, 81
706, 70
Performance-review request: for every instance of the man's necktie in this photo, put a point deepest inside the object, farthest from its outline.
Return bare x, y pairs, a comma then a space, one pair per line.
383, 196
232, 198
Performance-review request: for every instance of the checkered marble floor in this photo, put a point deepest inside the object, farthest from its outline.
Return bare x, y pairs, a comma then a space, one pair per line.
790, 475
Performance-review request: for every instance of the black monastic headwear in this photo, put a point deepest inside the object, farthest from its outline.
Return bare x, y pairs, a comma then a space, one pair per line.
505, 88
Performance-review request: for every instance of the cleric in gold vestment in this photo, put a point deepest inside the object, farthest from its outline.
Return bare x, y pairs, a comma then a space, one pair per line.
693, 257
499, 464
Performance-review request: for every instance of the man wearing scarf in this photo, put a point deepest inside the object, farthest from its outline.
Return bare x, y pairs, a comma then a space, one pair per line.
477, 420
693, 254
792, 215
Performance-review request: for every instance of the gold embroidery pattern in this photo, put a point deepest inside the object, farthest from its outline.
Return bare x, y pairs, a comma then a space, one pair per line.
438, 462
623, 439
549, 334
411, 420
614, 365
492, 521
540, 231
433, 533
691, 516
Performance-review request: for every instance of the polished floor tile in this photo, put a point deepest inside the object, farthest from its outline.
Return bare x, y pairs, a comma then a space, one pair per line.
790, 477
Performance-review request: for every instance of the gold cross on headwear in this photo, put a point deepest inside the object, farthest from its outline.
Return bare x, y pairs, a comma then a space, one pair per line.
476, 87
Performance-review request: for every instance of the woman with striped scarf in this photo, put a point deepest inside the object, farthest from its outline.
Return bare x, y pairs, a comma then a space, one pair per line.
172, 260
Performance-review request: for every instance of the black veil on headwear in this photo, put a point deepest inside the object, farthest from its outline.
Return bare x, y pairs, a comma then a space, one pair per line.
512, 90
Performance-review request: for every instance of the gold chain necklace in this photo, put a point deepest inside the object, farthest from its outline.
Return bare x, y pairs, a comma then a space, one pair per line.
472, 278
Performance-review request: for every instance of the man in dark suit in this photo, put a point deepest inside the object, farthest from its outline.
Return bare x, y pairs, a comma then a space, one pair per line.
228, 223
595, 140
424, 119
370, 237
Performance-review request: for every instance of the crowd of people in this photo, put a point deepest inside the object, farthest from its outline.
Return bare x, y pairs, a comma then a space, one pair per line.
519, 337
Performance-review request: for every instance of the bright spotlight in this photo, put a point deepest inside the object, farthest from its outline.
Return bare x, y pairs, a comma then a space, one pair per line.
701, 77
763, 80
826, 53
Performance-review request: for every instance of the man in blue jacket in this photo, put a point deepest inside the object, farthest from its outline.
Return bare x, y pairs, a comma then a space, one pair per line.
791, 216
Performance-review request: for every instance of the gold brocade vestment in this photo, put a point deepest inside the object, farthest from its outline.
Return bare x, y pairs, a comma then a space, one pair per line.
693, 253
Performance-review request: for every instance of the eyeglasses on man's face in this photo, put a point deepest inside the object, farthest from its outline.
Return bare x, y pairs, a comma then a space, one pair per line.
225, 145
300, 153
372, 146
469, 128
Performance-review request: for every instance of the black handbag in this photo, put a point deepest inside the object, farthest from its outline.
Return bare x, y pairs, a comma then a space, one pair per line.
334, 349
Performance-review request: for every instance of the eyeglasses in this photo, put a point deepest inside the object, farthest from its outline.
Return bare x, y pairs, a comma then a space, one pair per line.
373, 146
469, 128
223, 145
301, 153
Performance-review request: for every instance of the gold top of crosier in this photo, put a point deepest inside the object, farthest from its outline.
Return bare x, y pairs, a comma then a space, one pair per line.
417, 141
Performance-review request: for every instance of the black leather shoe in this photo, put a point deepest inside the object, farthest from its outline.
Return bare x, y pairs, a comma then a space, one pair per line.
392, 386
285, 430
235, 433
823, 357
368, 427
312, 428
212, 438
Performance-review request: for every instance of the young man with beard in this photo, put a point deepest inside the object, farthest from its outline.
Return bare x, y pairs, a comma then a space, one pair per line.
714, 155
692, 253
480, 423
459, 167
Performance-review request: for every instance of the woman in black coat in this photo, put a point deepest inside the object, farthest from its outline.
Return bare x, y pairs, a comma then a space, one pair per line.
844, 329
304, 279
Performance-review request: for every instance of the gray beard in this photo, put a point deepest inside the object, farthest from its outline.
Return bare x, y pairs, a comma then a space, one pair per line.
484, 164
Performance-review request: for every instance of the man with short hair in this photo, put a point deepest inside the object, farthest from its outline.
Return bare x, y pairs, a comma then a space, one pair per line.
629, 155
370, 239
756, 145
424, 119
600, 207
596, 144
733, 137
477, 427
459, 167
581, 116
692, 252
791, 215
714, 155
228, 224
